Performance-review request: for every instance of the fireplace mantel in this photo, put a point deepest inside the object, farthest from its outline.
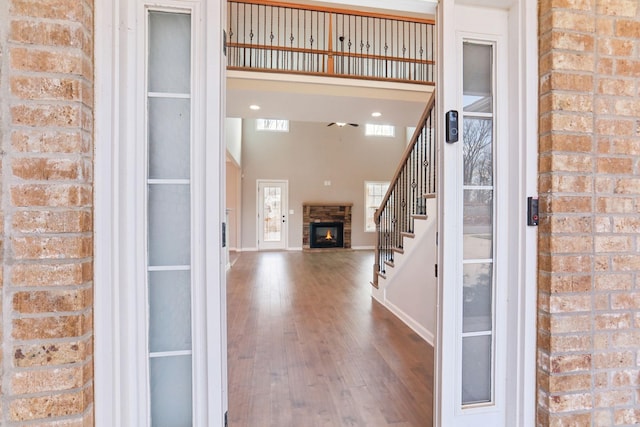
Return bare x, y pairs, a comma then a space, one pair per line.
326, 212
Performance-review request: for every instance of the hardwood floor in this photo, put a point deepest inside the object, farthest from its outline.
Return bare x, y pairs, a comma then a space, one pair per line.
308, 346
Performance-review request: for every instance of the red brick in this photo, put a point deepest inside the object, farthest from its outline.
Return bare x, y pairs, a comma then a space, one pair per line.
52, 354
49, 141
34, 302
45, 88
37, 221
52, 9
68, 274
46, 115
56, 379
46, 61
53, 405
628, 28
40, 248
34, 328
53, 195
45, 169
46, 33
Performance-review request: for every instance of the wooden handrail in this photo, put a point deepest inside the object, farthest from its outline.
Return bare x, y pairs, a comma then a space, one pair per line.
406, 155
405, 199
339, 10
330, 53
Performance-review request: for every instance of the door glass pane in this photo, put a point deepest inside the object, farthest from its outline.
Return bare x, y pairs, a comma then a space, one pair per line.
478, 224
171, 391
476, 369
272, 214
477, 151
169, 225
477, 77
169, 311
169, 133
477, 298
169, 52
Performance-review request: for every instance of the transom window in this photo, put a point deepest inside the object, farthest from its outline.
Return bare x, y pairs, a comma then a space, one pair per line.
380, 130
273, 125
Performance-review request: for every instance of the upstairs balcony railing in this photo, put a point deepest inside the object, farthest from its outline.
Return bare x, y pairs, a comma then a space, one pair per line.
290, 38
413, 182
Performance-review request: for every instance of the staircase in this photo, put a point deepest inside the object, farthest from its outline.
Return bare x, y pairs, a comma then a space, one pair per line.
405, 273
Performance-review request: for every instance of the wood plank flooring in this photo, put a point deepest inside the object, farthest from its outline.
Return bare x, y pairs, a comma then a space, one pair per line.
308, 346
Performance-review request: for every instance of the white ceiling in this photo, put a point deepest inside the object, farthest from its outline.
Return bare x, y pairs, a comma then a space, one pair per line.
324, 99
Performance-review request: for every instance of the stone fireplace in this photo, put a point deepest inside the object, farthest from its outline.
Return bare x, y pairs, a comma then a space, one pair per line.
326, 225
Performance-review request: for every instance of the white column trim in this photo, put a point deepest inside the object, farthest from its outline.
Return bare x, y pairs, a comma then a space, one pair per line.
117, 377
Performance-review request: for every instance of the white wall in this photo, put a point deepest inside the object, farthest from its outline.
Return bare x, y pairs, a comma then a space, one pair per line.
234, 206
233, 135
307, 156
410, 292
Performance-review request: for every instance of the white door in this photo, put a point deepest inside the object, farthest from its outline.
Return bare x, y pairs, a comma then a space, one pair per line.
472, 329
486, 335
160, 277
272, 215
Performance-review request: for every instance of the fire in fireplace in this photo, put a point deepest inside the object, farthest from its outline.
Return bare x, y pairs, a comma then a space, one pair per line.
326, 234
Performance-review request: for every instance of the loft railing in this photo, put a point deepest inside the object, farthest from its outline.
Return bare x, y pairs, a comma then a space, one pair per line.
282, 37
405, 200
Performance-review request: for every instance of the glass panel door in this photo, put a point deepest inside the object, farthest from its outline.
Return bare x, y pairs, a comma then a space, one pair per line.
478, 227
272, 215
169, 264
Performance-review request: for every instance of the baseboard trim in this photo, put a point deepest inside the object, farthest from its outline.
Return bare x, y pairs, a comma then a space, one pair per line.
424, 333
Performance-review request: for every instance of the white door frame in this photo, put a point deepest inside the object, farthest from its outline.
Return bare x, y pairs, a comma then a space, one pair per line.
520, 386
261, 245
117, 373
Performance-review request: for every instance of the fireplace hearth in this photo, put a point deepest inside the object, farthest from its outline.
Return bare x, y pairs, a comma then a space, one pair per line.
326, 235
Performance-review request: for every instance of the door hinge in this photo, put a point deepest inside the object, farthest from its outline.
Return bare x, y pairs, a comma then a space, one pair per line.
226, 419
436, 270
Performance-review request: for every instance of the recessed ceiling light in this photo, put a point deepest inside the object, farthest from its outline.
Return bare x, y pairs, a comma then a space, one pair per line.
254, 107
376, 114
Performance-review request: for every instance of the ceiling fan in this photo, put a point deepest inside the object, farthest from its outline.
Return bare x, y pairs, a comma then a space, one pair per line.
341, 124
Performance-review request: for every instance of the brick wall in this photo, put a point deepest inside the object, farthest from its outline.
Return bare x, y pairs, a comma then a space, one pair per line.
589, 242
46, 71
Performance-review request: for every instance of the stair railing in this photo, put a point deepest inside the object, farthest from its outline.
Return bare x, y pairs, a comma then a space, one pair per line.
405, 200
278, 37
